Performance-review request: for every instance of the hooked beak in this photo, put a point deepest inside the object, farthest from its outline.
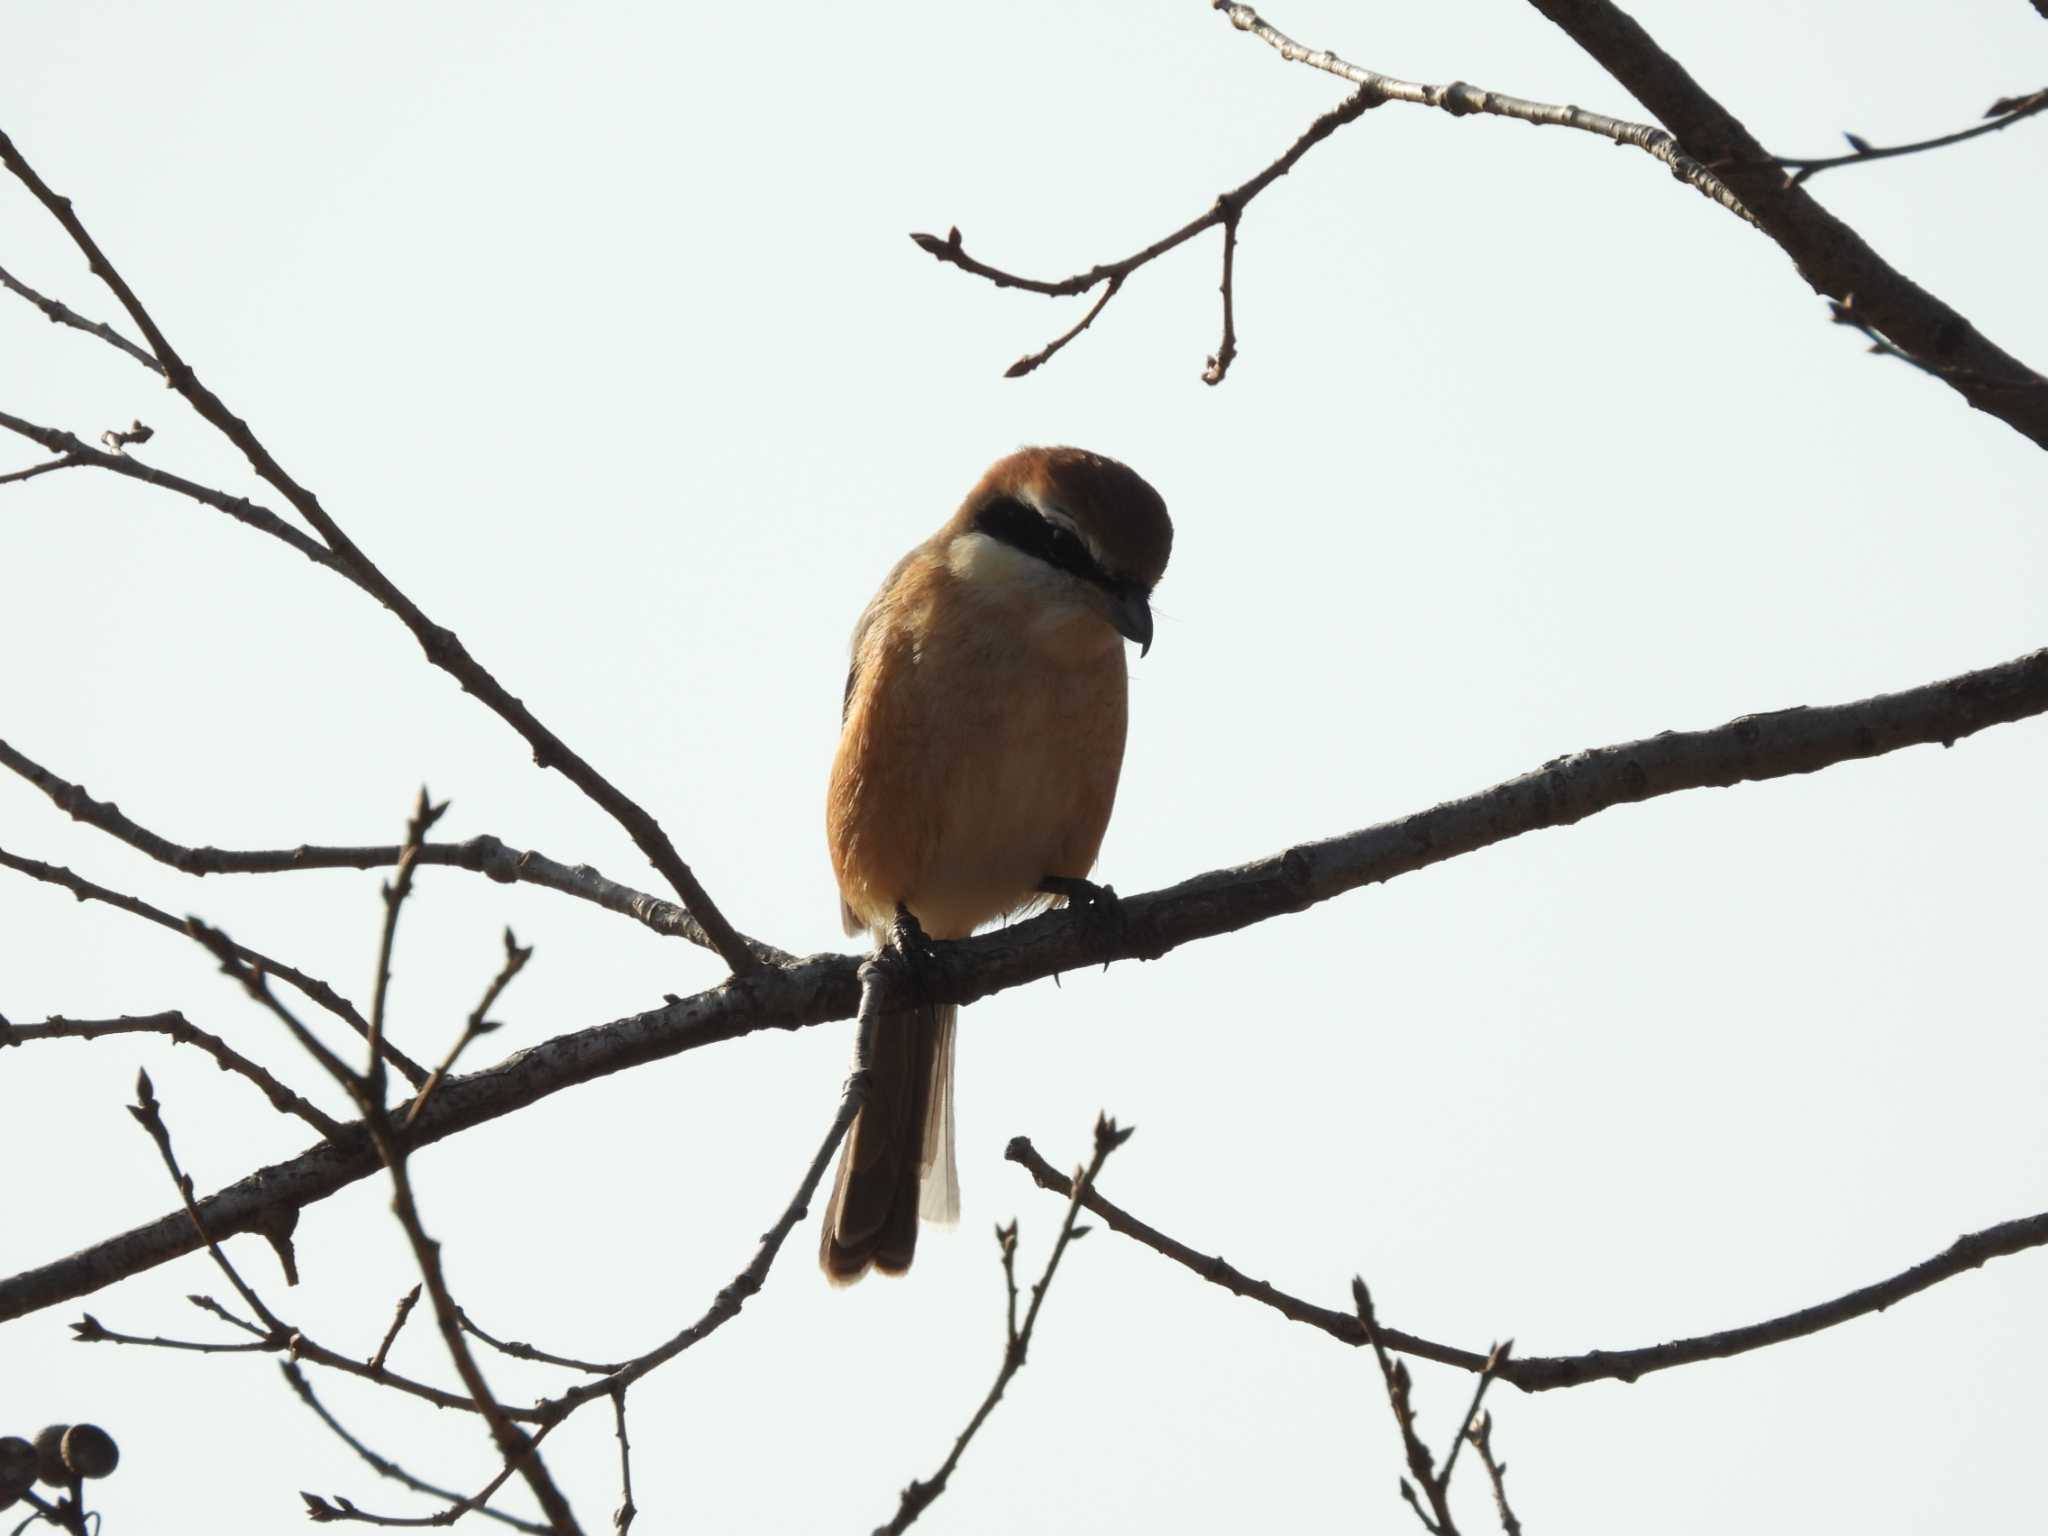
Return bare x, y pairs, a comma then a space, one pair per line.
1131, 613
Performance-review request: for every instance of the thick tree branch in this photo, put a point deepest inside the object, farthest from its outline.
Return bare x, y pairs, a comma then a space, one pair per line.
1833, 259
484, 855
821, 988
1542, 1373
441, 645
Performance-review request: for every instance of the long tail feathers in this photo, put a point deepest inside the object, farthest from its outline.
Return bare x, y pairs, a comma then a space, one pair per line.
898, 1160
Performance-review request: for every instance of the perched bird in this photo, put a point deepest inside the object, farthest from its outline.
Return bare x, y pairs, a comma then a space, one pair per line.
982, 736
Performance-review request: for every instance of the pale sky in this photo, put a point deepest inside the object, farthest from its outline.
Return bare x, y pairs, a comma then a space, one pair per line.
599, 329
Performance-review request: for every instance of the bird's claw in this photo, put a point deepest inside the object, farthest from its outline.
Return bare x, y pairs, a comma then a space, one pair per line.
1101, 908
913, 946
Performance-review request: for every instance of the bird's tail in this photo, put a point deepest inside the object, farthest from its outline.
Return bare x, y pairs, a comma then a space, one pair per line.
901, 1143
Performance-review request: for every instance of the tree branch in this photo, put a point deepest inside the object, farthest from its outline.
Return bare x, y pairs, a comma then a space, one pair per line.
441, 645
318, 991
183, 1032
484, 855
1543, 1373
62, 314
813, 991
1017, 1344
2003, 113
1225, 211
1833, 259
1462, 100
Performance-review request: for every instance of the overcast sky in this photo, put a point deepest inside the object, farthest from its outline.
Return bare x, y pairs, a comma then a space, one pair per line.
599, 329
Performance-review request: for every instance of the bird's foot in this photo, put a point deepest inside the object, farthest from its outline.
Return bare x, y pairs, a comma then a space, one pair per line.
1100, 907
913, 946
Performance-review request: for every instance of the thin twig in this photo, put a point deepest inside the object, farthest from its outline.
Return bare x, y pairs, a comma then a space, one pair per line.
522, 1351
1031, 361
90, 1330
441, 645
484, 855
62, 314
1421, 1465
1225, 210
476, 1024
1226, 350
149, 1115
1495, 1359
1542, 1373
182, 1032
2003, 113
622, 1517
256, 983
916, 1498
1481, 1436
240, 508
383, 1465
748, 1282
403, 1311
311, 987
1462, 100
66, 462
321, 1510
396, 889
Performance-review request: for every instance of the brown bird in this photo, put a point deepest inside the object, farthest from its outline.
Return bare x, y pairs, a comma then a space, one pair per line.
982, 737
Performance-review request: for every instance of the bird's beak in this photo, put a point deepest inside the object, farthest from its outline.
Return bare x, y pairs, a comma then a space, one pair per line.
1132, 616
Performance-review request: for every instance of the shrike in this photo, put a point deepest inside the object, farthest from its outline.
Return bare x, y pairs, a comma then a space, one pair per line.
982, 735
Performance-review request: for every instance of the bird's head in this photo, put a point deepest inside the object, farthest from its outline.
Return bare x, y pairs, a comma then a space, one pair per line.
1080, 529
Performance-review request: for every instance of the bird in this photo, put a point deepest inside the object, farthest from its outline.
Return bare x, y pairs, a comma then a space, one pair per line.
981, 740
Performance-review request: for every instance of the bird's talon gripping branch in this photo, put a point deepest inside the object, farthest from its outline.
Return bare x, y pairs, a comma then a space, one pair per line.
1101, 908
913, 946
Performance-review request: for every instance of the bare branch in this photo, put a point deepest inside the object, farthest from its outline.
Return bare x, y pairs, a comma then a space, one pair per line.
316, 990
476, 1025
1226, 210
424, 815
484, 855
90, 1330
1543, 1373
441, 645
822, 988
1833, 259
521, 1351
622, 1517
383, 1465
1462, 100
183, 1032
62, 314
240, 508
67, 462
1481, 1436
916, 1498
2004, 112
149, 1115
1421, 1465
403, 1311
